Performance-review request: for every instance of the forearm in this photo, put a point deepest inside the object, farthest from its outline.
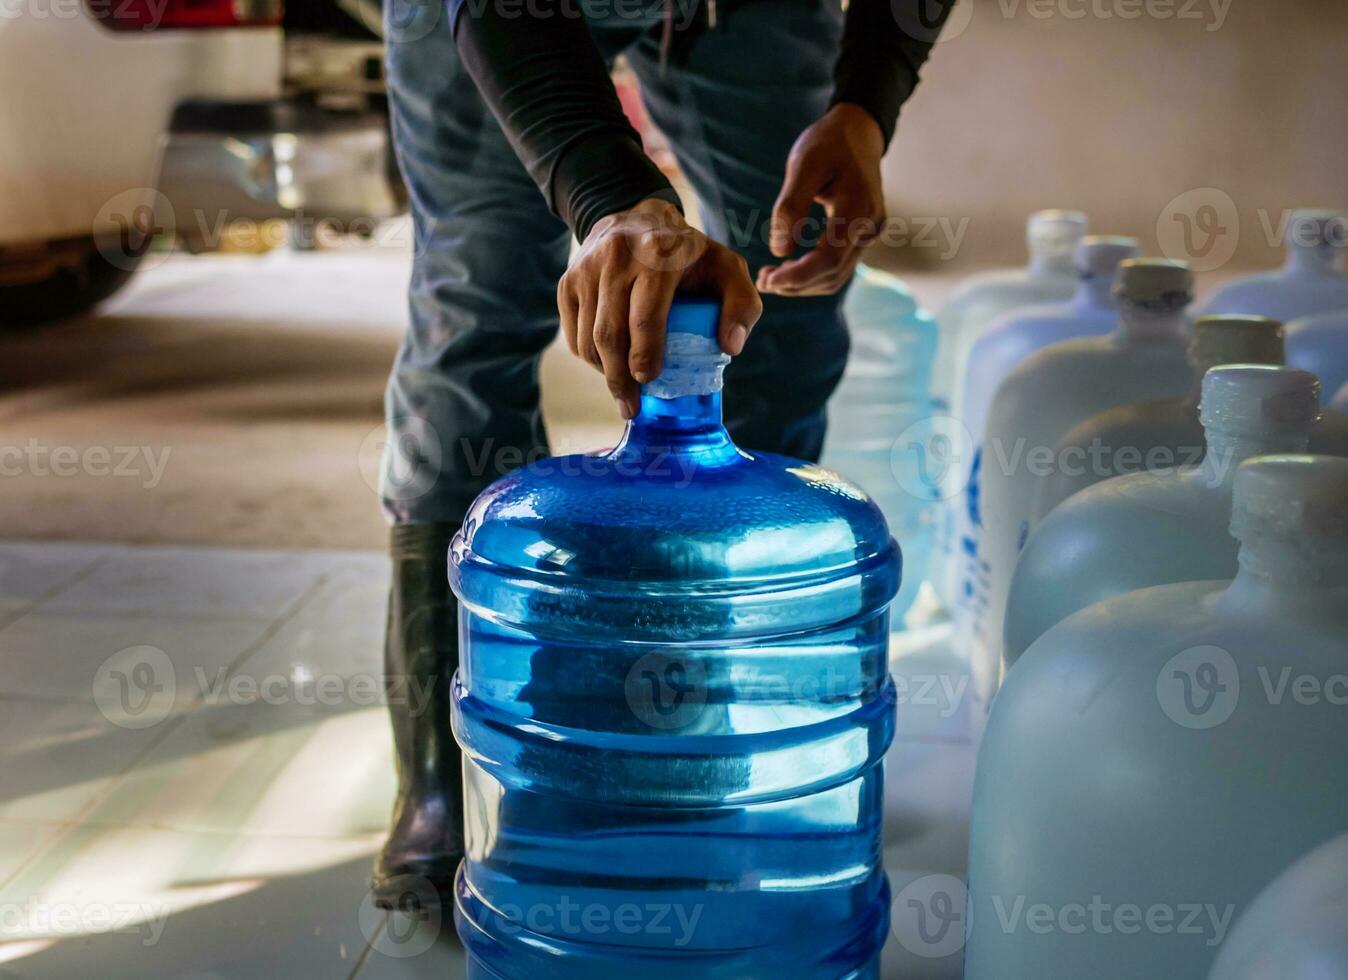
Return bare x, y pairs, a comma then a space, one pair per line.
546, 84
884, 46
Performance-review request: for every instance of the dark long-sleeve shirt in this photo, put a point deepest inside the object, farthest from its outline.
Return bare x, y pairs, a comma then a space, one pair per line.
545, 81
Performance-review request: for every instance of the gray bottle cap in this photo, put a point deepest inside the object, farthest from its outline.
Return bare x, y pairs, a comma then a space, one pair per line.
1056, 231
1159, 285
1237, 339
1259, 399
1098, 256
1291, 496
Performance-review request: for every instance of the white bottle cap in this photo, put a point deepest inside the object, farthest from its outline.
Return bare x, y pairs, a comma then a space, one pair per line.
1158, 285
1259, 399
1098, 256
1056, 231
1315, 228
1291, 496
1237, 339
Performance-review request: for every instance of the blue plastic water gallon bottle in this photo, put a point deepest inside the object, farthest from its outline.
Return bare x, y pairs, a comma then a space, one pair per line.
1311, 281
1319, 344
885, 391
1297, 928
674, 702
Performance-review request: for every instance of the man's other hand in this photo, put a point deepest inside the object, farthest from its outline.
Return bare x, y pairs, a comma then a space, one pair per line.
836, 162
615, 298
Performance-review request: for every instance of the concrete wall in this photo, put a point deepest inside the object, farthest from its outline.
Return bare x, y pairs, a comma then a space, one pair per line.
1148, 114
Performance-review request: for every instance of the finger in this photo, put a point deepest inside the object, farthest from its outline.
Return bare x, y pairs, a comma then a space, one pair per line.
740, 303
822, 262
587, 298
798, 192
647, 317
826, 286
611, 341
568, 310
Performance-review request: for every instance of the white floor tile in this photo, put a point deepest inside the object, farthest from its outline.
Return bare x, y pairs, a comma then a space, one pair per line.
214, 582
338, 631
189, 906
276, 769
32, 569
406, 949
20, 842
58, 756
135, 667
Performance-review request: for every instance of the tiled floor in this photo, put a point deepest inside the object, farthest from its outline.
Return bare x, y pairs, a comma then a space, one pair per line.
196, 773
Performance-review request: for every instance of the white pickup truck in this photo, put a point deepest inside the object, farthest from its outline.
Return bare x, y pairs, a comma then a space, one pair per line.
122, 121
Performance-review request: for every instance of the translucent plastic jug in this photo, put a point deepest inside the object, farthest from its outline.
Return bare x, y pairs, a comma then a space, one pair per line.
1144, 358
1311, 281
673, 703
1320, 345
886, 390
1340, 403
1160, 434
1297, 929
1153, 761
1050, 236
1010, 340
1160, 527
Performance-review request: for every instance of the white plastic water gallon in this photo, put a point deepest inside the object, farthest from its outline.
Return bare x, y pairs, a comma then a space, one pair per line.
884, 391
1320, 345
1090, 312
1155, 760
1146, 357
1051, 236
1159, 527
1159, 434
1311, 280
1297, 929
1340, 403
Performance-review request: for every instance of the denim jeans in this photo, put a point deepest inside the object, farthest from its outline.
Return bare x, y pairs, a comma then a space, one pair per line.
463, 399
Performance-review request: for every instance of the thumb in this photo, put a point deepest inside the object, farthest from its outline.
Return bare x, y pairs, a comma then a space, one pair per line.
740, 304
793, 205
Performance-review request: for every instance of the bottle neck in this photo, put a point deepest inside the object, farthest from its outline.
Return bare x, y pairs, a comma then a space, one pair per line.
1138, 325
1047, 261
1226, 450
687, 426
1095, 292
1313, 260
1278, 572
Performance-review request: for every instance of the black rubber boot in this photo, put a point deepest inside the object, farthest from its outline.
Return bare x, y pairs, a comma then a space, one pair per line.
421, 653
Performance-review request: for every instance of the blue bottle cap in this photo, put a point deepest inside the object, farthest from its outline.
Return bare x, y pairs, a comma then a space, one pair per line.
695, 316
